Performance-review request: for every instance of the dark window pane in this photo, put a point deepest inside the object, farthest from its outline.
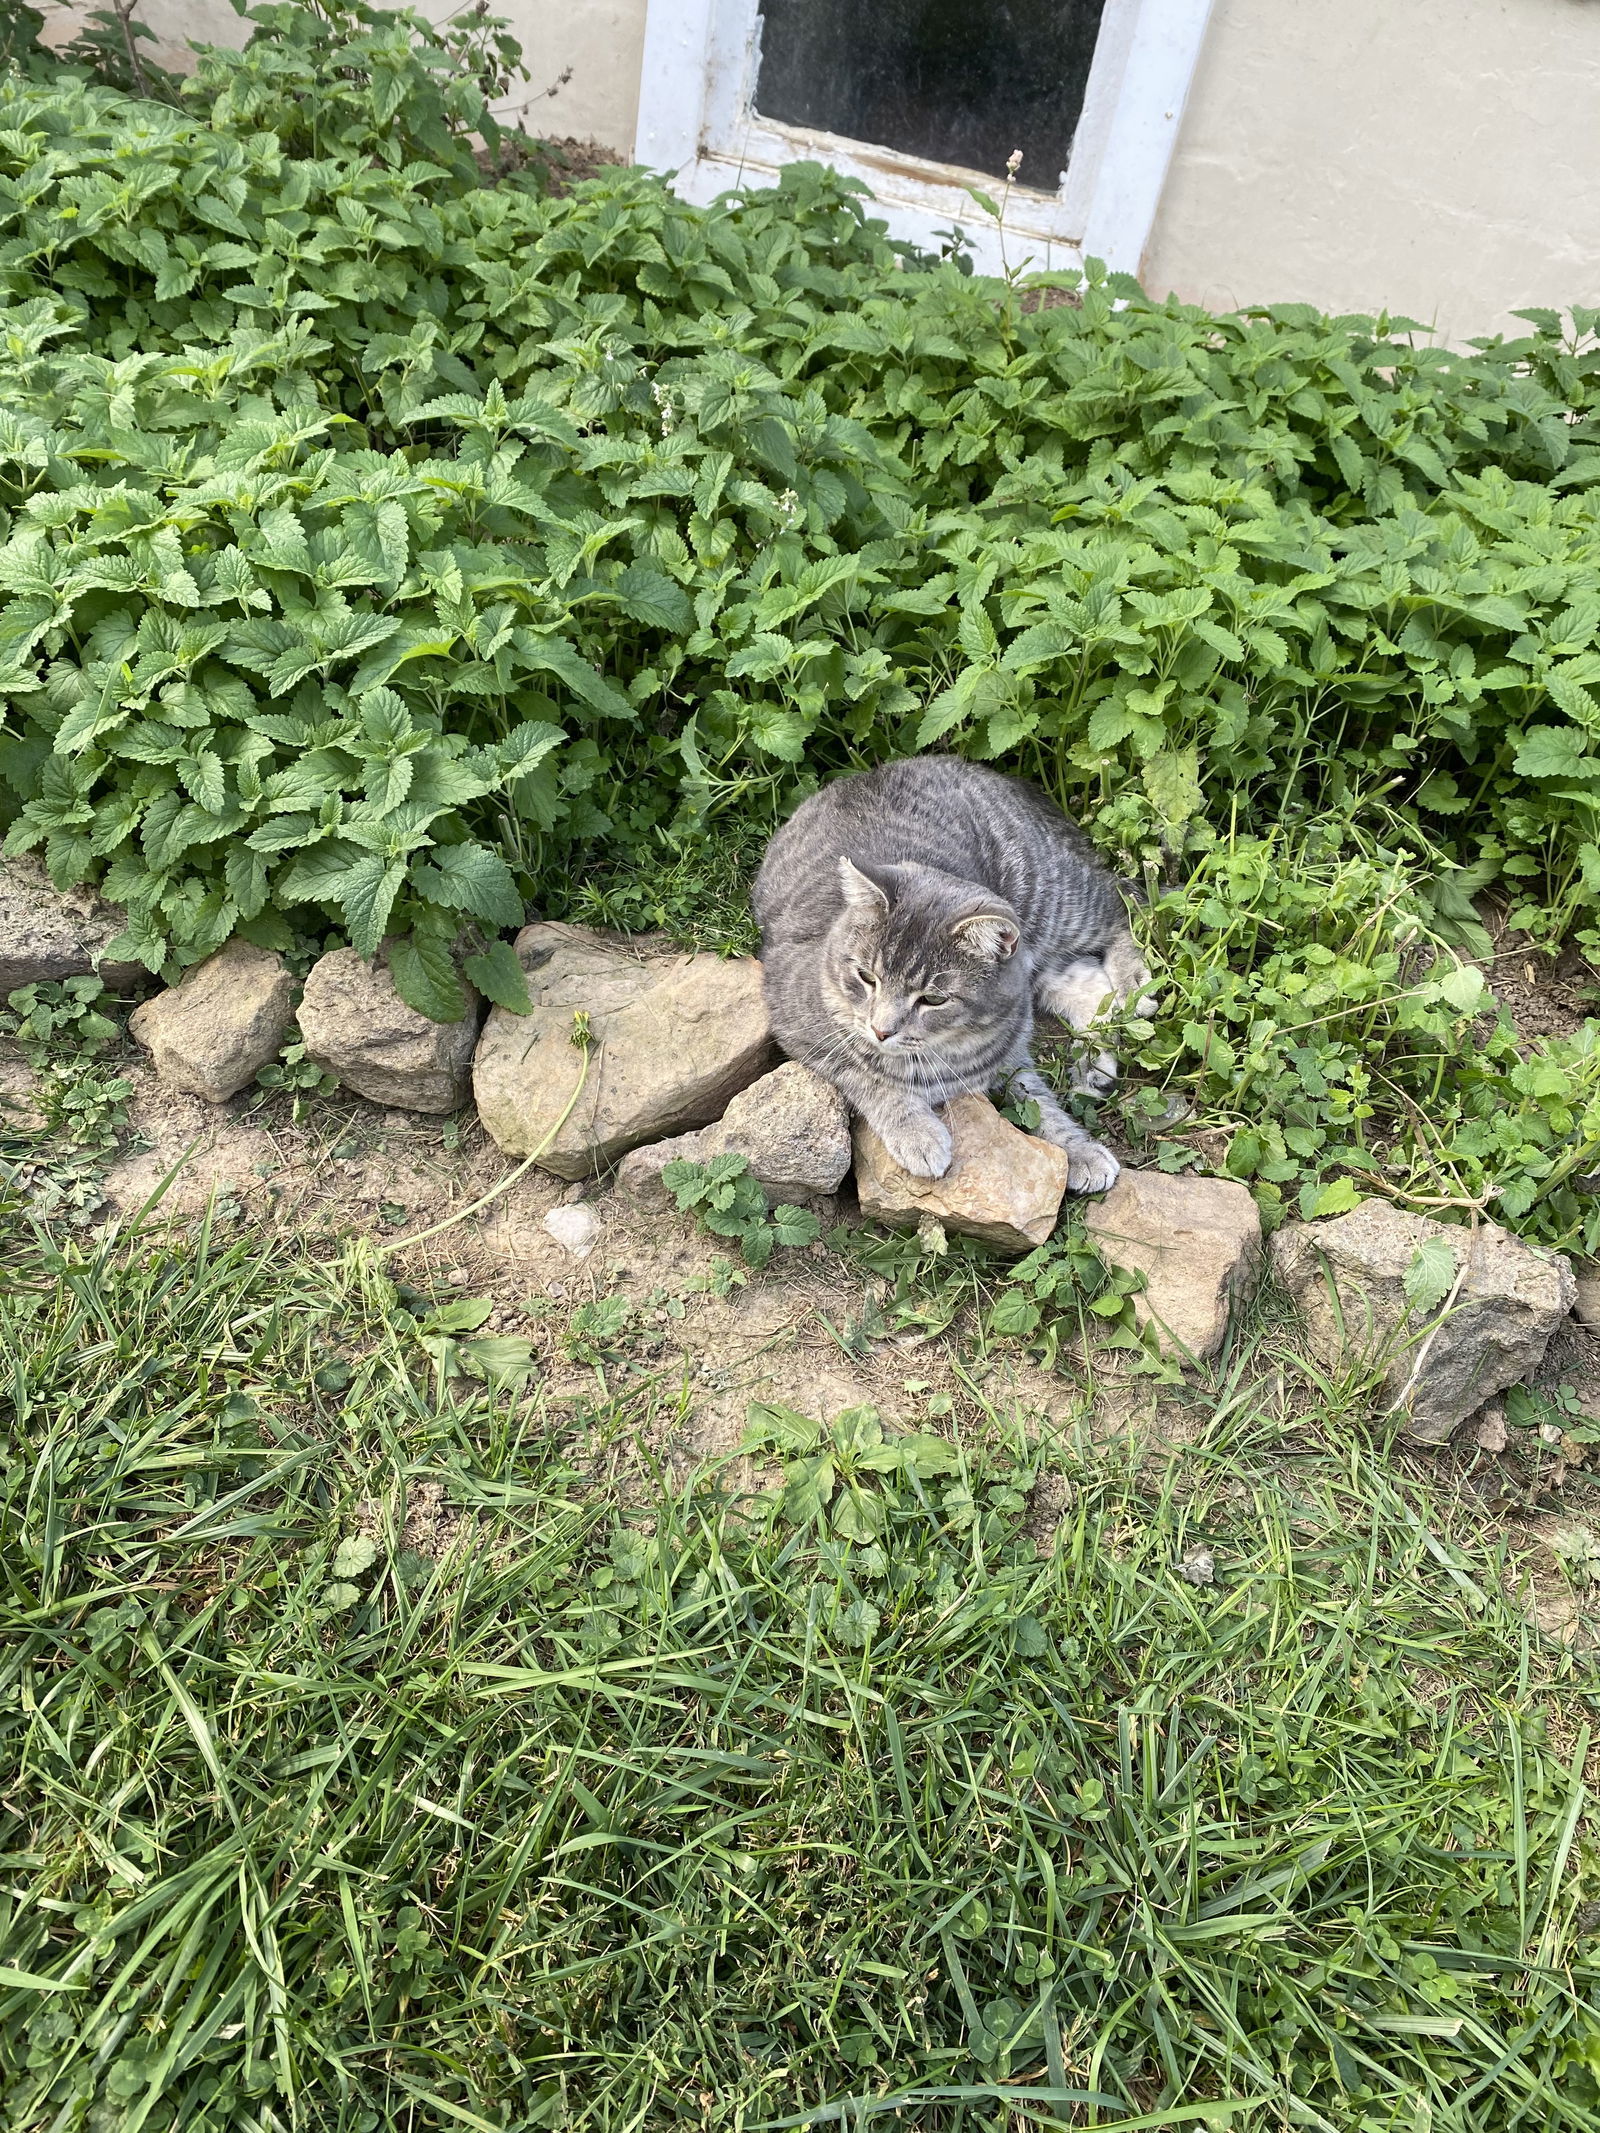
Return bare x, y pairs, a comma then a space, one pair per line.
956, 81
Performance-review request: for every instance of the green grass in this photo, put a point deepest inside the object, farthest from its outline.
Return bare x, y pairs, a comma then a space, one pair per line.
664, 1806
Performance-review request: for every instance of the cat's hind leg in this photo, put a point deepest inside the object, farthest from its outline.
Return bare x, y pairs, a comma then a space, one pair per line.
1090, 1167
1082, 990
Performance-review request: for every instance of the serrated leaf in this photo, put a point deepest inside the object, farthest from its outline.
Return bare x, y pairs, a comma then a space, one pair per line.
500, 977
469, 877
1464, 989
1172, 779
367, 891
1553, 752
858, 1624
425, 977
1337, 1198
795, 1226
245, 872
652, 598
553, 655
354, 1556
1430, 1276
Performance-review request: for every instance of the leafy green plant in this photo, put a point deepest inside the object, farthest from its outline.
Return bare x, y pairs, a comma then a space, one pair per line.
294, 1075
1321, 1020
726, 1198
449, 1333
597, 1328
52, 1019
383, 548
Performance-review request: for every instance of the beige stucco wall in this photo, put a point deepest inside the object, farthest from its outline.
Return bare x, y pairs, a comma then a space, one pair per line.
1438, 157
598, 43
602, 41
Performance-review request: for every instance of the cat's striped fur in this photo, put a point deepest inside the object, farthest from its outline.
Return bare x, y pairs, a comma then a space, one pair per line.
912, 919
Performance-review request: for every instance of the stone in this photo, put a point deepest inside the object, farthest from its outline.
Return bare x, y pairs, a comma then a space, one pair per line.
357, 1028
672, 1040
48, 933
1197, 1241
213, 1032
1348, 1275
1490, 1433
575, 1228
1587, 1308
1003, 1185
794, 1130
639, 1172
791, 1126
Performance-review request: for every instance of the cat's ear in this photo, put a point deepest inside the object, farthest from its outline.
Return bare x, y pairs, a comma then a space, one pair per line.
992, 936
861, 892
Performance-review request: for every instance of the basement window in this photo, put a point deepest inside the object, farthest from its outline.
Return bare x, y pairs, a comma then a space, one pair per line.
922, 99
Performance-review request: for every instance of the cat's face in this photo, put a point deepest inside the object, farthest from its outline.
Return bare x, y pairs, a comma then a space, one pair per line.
914, 976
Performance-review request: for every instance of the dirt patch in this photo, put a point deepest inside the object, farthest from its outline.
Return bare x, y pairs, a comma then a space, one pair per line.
1544, 995
19, 1094
1547, 1581
657, 1314
560, 162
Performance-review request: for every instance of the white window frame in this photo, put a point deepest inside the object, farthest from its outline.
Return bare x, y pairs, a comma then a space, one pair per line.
697, 122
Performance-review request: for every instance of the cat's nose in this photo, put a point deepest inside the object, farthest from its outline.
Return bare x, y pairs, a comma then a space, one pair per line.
881, 1033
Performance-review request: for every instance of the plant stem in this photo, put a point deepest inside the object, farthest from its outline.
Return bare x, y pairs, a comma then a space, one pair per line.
422, 1235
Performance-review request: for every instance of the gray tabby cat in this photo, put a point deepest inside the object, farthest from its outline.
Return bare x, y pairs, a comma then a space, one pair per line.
911, 920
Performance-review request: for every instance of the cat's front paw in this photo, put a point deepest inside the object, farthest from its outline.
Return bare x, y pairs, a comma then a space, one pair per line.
1091, 1168
920, 1145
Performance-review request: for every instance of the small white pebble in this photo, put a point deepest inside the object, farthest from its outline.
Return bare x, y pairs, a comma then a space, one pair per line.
1199, 1566
576, 1229
458, 1277
1549, 1433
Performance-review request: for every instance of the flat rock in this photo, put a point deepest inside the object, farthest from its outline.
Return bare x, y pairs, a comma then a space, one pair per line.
1197, 1241
1348, 1276
1587, 1307
357, 1028
673, 1039
213, 1032
1003, 1185
791, 1126
50, 934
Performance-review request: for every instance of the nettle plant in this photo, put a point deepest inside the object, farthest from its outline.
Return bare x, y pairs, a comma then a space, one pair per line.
382, 548
226, 715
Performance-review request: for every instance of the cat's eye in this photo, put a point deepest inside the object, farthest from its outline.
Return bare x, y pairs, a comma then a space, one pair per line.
933, 999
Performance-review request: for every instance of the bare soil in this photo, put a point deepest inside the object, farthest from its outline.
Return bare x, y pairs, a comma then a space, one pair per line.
699, 1344
710, 1345
1545, 995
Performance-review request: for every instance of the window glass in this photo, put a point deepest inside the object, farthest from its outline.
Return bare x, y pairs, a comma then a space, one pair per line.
954, 81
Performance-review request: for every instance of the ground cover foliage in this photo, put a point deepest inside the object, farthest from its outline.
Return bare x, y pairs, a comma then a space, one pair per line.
603, 1803
385, 548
